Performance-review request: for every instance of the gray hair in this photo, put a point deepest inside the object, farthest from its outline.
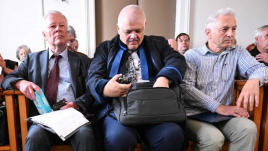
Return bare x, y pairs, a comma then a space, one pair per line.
71, 31
19, 48
258, 32
212, 19
53, 12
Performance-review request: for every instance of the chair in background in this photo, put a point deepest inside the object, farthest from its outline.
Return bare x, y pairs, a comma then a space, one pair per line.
13, 128
250, 47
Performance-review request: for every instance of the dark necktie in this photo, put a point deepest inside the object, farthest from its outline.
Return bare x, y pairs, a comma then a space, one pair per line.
53, 82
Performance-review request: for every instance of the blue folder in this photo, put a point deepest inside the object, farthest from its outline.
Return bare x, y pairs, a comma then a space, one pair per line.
210, 117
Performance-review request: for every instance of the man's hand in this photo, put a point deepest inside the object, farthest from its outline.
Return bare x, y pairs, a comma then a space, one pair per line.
161, 82
249, 94
70, 105
262, 57
232, 110
27, 88
115, 89
2, 63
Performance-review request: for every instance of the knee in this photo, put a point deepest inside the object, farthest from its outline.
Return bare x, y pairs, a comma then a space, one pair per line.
245, 128
171, 137
120, 139
85, 133
211, 141
37, 138
249, 127
173, 133
36, 134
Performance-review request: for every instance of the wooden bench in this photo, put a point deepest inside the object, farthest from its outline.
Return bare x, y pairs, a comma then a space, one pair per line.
11, 108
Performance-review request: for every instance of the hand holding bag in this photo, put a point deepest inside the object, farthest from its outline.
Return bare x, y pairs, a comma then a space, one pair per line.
147, 105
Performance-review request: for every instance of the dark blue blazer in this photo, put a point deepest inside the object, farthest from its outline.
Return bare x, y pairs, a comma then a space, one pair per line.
162, 61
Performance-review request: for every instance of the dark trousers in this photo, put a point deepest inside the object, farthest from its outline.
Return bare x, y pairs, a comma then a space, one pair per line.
160, 137
39, 139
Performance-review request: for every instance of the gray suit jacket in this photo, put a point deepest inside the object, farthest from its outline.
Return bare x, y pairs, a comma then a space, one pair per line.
34, 68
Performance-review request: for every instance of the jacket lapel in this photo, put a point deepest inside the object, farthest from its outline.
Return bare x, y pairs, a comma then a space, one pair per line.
44, 68
155, 56
73, 64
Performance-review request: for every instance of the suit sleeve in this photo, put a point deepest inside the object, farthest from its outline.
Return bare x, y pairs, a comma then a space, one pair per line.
98, 74
174, 63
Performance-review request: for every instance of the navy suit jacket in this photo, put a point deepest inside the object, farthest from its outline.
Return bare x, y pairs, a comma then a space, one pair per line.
34, 68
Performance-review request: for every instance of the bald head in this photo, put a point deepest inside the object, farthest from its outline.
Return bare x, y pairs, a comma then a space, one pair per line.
131, 25
131, 13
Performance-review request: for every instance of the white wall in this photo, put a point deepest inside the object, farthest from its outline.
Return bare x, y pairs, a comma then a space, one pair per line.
250, 14
21, 23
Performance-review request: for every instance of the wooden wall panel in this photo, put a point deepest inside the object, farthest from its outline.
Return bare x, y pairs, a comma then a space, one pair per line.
106, 17
160, 16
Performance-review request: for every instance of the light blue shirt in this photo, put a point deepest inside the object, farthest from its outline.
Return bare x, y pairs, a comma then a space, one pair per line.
65, 89
209, 78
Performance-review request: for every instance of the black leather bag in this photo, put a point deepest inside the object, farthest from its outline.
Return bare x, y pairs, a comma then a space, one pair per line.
147, 105
3, 126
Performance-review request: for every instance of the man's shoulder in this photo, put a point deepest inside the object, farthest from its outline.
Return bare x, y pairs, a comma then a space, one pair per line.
38, 53
154, 38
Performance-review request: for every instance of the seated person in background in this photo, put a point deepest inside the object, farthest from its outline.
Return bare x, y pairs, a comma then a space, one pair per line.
163, 66
22, 51
76, 45
6, 67
208, 86
60, 74
71, 38
183, 41
172, 44
260, 52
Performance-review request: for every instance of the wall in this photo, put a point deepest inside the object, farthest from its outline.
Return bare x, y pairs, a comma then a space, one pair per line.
21, 20
249, 16
160, 17
21, 23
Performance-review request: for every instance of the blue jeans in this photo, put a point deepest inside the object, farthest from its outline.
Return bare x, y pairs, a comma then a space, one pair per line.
165, 136
39, 139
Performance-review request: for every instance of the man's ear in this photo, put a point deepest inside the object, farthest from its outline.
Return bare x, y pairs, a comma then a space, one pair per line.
208, 32
43, 33
257, 39
118, 29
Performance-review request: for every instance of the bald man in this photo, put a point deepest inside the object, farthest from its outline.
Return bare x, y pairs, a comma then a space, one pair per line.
164, 66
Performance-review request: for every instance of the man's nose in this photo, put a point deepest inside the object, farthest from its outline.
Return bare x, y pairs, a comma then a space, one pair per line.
133, 35
230, 33
57, 28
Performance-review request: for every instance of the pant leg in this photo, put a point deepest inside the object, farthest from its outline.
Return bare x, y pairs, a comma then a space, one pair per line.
118, 137
83, 139
206, 136
40, 139
165, 136
241, 132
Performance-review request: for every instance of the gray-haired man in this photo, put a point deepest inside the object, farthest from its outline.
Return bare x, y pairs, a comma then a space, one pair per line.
260, 52
209, 82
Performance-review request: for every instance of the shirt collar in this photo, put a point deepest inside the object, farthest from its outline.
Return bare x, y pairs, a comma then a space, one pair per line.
206, 50
63, 54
